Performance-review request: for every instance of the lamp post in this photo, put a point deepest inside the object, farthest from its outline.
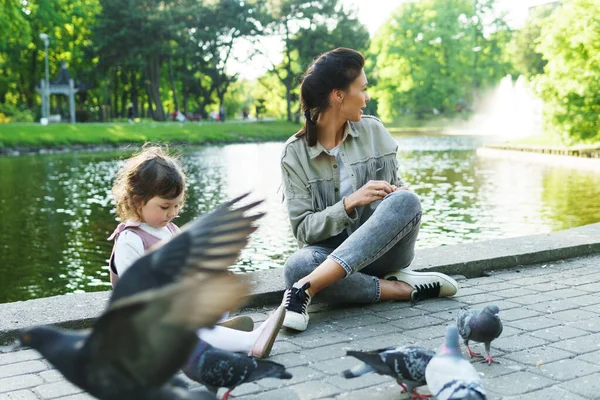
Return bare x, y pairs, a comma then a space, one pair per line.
46, 92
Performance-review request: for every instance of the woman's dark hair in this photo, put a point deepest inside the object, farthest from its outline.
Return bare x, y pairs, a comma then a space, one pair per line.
149, 173
336, 69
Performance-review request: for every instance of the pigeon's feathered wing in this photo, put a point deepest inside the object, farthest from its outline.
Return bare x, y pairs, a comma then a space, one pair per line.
406, 364
149, 329
206, 245
216, 368
479, 326
450, 376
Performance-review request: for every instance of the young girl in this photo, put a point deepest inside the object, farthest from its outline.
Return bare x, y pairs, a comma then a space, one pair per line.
354, 219
149, 193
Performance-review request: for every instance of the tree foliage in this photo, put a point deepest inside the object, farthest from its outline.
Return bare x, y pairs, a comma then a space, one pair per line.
570, 85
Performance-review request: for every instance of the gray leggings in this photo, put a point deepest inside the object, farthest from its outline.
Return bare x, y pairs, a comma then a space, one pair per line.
384, 243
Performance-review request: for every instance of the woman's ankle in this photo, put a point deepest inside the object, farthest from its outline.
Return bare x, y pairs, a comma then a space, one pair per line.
394, 290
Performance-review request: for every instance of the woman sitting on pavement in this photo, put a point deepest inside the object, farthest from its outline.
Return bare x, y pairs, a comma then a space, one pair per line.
356, 222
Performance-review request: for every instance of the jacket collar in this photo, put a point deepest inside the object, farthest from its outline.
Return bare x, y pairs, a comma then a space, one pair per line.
318, 149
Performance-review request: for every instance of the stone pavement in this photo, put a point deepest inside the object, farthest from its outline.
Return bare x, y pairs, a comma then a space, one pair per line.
550, 347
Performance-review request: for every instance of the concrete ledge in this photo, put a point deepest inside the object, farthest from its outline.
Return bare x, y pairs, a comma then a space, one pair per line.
470, 259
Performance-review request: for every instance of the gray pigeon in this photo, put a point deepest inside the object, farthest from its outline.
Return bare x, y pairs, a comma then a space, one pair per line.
148, 331
450, 376
406, 364
216, 368
480, 326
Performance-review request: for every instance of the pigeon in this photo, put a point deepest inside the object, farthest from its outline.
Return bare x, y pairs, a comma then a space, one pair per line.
148, 331
480, 326
450, 376
216, 368
406, 364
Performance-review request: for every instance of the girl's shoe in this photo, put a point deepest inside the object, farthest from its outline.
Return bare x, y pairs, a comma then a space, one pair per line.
297, 301
270, 328
239, 323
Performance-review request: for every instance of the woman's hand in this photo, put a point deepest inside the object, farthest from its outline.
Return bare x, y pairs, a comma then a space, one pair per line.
370, 192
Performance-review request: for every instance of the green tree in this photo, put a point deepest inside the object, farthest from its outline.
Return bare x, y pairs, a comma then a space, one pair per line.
437, 54
570, 85
527, 60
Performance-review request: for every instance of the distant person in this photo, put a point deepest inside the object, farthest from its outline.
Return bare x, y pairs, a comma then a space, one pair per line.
149, 192
355, 220
222, 114
245, 113
130, 113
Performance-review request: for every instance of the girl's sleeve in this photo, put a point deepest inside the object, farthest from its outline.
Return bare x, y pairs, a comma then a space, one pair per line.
128, 249
310, 226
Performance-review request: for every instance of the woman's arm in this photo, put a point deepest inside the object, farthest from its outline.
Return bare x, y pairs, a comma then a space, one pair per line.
308, 225
128, 249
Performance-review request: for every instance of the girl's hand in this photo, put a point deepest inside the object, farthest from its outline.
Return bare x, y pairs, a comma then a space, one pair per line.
370, 192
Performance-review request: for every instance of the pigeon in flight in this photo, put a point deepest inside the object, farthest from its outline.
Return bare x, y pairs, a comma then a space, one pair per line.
450, 376
148, 331
406, 364
480, 326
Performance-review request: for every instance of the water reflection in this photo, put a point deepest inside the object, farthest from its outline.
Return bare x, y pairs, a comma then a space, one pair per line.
57, 210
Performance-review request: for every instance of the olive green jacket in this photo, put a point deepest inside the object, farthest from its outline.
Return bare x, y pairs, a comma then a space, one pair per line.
311, 179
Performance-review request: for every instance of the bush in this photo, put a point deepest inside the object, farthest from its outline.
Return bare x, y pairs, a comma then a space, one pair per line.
12, 113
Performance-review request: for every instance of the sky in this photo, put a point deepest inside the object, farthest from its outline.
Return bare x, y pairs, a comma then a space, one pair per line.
372, 13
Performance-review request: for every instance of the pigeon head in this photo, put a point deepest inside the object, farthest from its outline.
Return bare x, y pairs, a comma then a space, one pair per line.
492, 309
450, 345
40, 337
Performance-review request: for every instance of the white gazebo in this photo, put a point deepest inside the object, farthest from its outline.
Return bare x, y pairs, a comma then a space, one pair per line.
65, 85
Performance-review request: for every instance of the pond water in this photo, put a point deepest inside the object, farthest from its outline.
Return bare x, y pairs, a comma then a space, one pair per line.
57, 210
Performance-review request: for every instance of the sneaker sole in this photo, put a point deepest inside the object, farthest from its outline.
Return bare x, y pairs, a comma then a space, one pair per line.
240, 323
449, 286
295, 325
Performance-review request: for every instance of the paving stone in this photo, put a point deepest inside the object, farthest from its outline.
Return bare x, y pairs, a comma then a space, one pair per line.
533, 298
593, 357
378, 392
517, 314
517, 383
299, 375
531, 357
551, 393
20, 382
17, 356
588, 386
21, 368
517, 343
415, 322
357, 383
567, 369
572, 315
547, 287
487, 298
443, 304
19, 395
554, 306
372, 331
580, 345
534, 323
557, 333
56, 389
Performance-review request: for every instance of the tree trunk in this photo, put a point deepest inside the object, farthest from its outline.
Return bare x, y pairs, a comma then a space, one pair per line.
124, 93
134, 94
172, 78
115, 95
153, 72
288, 78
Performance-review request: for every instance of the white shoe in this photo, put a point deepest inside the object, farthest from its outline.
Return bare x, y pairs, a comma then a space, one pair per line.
426, 284
297, 301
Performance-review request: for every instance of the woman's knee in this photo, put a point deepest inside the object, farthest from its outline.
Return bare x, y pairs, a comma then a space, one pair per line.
298, 266
404, 200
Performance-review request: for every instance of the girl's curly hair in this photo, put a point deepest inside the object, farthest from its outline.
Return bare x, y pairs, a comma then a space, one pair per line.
151, 172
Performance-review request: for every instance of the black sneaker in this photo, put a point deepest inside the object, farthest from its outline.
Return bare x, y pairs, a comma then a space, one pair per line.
425, 291
297, 300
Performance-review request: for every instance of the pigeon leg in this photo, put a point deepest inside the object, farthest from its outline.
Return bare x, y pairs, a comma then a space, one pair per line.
227, 395
417, 395
472, 353
404, 388
490, 360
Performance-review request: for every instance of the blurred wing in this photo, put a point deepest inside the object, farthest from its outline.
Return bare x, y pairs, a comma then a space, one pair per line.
206, 245
149, 336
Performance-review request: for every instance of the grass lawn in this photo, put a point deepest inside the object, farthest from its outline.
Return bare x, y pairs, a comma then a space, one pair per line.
36, 135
